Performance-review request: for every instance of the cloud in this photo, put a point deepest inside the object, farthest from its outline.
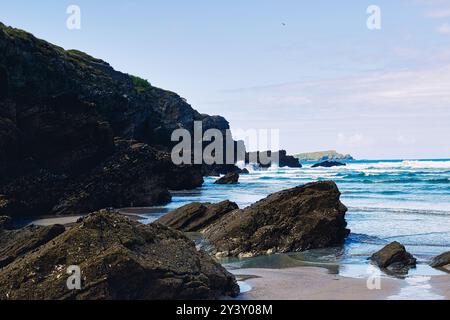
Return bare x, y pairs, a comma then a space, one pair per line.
438, 14
389, 90
353, 140
405, 52
404, 140
443, 28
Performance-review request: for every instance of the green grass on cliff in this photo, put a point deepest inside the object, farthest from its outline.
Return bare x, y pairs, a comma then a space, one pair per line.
140, 84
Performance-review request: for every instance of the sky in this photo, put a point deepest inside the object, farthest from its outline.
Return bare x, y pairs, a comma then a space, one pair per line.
311, 69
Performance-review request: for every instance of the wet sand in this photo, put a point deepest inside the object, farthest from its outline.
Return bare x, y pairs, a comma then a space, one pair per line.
133, 214
311, 283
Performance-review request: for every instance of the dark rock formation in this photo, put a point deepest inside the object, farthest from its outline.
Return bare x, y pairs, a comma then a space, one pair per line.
60, 112
16, 243
441, 260
230, 178
284, 160
245, 171
394, 257
5, 223
329, 164
118, 259
217, 170
195, 217
302, 218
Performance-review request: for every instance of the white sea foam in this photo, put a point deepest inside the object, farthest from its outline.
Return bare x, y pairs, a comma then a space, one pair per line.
418, 288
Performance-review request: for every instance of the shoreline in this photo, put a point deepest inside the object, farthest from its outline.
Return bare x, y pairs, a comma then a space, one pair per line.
315, 283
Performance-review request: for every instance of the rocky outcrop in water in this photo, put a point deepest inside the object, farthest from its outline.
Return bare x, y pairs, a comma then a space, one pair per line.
329, 164
394, 257
298, 219
119, 259
195, 217
230, 178
284, 160
216, 170
441, 261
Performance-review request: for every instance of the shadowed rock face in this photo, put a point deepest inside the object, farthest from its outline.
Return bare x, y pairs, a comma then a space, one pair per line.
16, 243
230, 178
195, 217
441, 260
395, 257
5, 222
302, 218
119, 259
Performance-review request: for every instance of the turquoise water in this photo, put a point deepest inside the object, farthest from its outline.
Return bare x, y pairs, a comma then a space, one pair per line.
407, 201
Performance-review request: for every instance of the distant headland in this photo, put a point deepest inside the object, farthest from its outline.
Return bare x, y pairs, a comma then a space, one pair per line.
323, 156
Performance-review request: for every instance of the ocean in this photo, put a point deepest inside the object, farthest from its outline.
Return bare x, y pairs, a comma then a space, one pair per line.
388, 200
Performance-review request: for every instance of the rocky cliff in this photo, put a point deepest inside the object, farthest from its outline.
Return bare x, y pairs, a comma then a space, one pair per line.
77, 135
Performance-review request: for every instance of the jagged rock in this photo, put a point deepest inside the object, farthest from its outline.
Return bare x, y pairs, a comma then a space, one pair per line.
195, 217
284, 160
230, 178
301, 218
215, 170
5, 222
16, 243
441, 260
119, 259
329, 164
394, 257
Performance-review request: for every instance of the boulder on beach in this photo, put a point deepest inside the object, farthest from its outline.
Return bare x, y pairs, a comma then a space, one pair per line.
441, 260
195, 217
230, 178
16, 243
297, 219
328, 164
394, 257
118, 259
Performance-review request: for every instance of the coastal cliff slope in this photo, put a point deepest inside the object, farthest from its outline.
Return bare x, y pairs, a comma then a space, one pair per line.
77, 135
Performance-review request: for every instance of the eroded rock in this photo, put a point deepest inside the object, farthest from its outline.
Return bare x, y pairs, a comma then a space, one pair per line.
230, 178
394, 257
441, 260
16, 243
298, 219
195, 217
329, 164
118, 259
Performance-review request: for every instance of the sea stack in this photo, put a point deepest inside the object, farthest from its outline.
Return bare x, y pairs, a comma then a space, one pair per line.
230, 178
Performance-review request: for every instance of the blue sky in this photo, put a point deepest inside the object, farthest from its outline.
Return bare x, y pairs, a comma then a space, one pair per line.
309, 68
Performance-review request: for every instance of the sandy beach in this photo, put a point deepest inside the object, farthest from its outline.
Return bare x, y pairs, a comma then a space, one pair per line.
311, 283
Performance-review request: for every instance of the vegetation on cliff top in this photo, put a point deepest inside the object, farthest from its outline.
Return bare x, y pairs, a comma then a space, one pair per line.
140, 84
